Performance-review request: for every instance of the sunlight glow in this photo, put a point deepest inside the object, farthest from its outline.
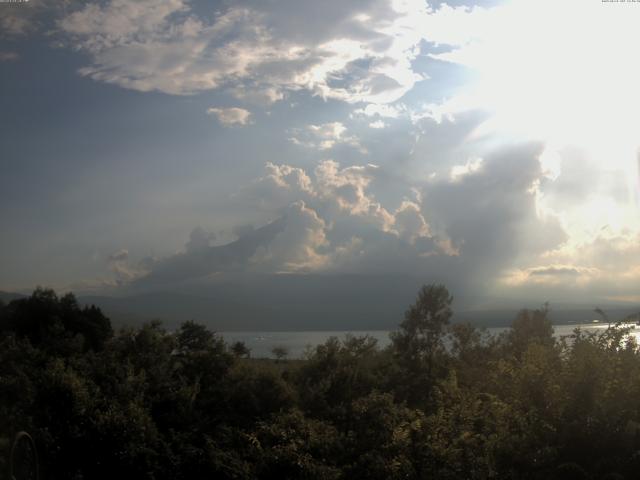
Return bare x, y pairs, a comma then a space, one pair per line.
563, 72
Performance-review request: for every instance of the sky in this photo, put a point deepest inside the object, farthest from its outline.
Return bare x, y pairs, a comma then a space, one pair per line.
488, 145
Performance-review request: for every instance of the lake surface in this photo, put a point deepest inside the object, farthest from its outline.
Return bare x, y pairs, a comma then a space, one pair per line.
297, 343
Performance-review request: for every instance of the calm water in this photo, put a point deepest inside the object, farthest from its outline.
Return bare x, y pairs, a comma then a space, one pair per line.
261, 343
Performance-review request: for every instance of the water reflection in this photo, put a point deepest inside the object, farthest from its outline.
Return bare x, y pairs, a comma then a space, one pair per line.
296, 343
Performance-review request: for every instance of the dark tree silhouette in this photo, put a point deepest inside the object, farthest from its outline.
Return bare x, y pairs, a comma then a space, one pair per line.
240, 349
420, 339
52, 322
280, 352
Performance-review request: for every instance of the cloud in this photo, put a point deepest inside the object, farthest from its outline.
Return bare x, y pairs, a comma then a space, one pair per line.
21, 19
384, 111
200, 259
605, 268
258, 95
555, 271
326, 221
490, 215
119, 256
14, 25
123, 270
297, 247
242, 230
330, 189
280, 186
116, 23
459, 171
325, 137
409, 221
199, 239
352, 51
347, 188
230, 117
377, 124
471, 231
361, 235
160, 45
466, 229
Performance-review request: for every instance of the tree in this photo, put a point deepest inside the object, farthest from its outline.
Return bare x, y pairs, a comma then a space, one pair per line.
423, 328
280, 352
194, 337
531, 327
419, 340
240, 349
202, 364
57, 323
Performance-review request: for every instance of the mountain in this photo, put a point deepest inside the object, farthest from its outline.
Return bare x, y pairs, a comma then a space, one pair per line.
6, 297
273, 302
200, 261
308, 302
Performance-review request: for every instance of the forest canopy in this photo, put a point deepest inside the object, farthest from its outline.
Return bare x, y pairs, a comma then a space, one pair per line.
443, 400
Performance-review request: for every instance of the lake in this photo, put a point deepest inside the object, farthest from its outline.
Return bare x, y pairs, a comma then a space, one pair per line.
296, 343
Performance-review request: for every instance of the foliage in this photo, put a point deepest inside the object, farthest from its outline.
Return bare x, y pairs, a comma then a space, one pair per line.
240, 350
443, 401
280, 352
419, 346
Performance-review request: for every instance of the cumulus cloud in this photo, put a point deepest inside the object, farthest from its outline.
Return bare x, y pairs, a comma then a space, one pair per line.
409, 221
327, 221
122, 268
471, 231
280, 186
459, 171
297, 247
119, 256
467, 229
330, 188
380, 110
230, 117
325, 137
347, 188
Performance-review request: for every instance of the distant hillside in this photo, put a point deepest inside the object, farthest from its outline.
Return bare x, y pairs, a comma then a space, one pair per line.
306, 302
503, 318
283, 303
6, 297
